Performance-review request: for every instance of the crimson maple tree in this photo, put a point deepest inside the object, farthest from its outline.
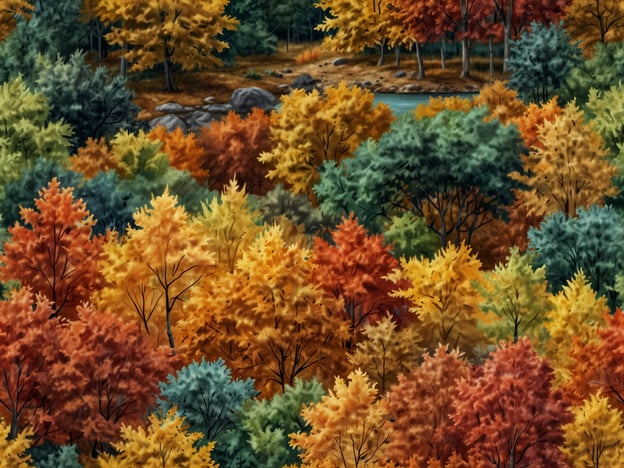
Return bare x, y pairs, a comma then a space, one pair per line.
508, 413
54, 252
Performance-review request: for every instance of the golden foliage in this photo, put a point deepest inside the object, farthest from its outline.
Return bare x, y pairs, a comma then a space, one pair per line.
440, 103
96, 156
13, 451
502, 101
350, 426
569, 170
596, 436
442, 295
533, 118
165, 443
310, 129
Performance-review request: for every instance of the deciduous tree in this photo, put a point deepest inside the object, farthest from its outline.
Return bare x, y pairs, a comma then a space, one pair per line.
502, 102
515, 293
10, 10
442, 295
353, 269
13, 450
420, 405
569, 169
594, 438
310, 129
183, 34
386, 351
54, 251
533, 119
350, 426
165, 443
151, 271
592, 21
232, 147
108, 376
508, 413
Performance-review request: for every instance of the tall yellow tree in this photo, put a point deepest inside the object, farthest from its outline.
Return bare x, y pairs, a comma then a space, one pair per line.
165, 443
267, 319
596, 436
177, 34
576, 313
360, 24
10, 10
592, 21
443, 297
569, 169
310, 129
153, 268
13, 451
350, 426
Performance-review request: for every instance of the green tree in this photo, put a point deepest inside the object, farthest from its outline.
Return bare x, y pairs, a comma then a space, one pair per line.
541, 60
593, 241
92, 103
206, 396
515, 293
452, 169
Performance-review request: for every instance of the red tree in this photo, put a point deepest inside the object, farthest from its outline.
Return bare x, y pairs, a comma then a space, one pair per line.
354, 269
419, 406
108, 377
28, 347
54, 251
508, 413
232, 149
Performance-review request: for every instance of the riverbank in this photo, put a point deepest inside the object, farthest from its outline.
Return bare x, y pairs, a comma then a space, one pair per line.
276, 72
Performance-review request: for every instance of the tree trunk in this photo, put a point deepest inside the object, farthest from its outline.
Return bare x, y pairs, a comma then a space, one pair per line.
491, 47
419, 60
123, 66
465, 72
169, 84
397, 55
507, 31
442, 53
287, 37
382, 52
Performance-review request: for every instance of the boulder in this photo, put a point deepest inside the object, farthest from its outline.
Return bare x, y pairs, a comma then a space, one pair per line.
306, 82
170, 122
340, 61
245, 99
172, 108
400, 74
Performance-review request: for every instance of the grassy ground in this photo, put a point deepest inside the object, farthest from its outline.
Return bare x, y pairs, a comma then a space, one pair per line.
220, 83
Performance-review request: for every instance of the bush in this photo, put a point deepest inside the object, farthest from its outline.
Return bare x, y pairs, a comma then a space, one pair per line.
308, 55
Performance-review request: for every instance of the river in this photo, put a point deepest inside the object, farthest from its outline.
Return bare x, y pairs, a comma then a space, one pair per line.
403, 102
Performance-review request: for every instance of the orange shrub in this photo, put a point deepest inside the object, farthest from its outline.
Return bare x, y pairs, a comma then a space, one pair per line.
308, 55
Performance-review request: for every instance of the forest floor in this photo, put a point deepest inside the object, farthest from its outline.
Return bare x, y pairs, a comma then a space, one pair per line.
220, 83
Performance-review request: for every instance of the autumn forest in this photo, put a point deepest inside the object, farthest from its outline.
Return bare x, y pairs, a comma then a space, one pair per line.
323, 284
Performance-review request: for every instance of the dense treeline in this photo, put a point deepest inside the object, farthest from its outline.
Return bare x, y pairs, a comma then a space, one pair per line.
326, 284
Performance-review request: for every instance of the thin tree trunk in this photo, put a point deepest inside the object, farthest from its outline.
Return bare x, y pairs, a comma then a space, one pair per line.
382, 52
442, 53
123, 66
491, 47
465, 72
169, 84
507, 31
421, 64
397, 55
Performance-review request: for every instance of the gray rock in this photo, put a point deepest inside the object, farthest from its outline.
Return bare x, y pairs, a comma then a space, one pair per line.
409, 88
306, 82
170, 122
172, 107
197, 119
400, 74
245, 99
285, 71
209, 100
218, 108
340, 61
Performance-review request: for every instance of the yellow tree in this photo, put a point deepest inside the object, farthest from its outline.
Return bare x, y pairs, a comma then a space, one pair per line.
310, 129
153, 268
165, 443
438, 104
592, 21
515, 295
577, 313
349, 426
13, 451
267, 319
177, 34
358, 25
502, 102
386, 352
569, 169
596, 436
442, 294
10, 10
